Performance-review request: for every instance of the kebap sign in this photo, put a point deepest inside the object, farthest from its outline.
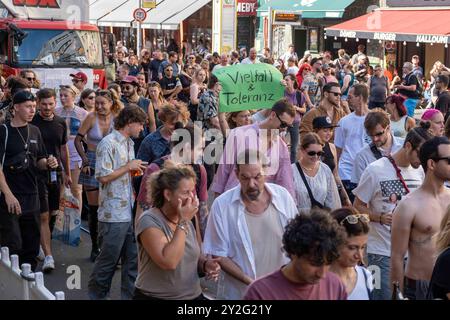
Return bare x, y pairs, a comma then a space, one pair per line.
246, 87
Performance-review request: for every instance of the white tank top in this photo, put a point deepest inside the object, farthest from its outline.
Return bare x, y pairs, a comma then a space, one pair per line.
399, 127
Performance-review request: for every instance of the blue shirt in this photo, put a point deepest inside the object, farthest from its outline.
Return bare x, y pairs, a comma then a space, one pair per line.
153, 147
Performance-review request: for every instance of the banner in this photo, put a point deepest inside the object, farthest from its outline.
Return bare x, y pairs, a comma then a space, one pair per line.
249, 86
70, 10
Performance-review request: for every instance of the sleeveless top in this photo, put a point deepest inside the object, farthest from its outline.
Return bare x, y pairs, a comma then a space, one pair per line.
378, 89
95, 135
350, 84
328, 157
399, 127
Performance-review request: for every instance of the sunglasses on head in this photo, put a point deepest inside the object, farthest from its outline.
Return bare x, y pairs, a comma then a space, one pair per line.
314, 153
354, 218
282, 123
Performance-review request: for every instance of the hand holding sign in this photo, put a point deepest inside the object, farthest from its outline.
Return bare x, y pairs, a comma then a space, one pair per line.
245, 87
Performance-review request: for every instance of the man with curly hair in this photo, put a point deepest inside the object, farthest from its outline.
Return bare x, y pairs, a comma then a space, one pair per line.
311, 241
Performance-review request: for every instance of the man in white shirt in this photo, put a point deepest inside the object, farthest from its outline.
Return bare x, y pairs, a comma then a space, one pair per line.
350, 136
384, 143
246, 226
382, 185
252, 59
290, 53
223, 62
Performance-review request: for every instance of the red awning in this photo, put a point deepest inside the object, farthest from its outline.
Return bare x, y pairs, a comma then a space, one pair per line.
423, 26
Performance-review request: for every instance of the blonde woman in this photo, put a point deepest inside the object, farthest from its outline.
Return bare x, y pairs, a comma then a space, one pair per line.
198, 86
440, 279
157, 101
74, 116
97, 125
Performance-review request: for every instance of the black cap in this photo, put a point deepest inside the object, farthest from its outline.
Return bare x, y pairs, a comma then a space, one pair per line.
23, 96
322, 123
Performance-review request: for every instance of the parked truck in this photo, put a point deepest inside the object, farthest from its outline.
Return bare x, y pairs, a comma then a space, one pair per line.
53, 38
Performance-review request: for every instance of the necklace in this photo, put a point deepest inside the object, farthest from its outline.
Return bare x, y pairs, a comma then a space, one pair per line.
25, 142
167, 218
308, 169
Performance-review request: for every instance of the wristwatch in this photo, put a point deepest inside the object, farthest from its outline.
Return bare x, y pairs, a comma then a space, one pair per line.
183, 227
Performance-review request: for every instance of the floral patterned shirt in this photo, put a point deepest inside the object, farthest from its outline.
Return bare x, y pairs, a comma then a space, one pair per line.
208, 108
116, 198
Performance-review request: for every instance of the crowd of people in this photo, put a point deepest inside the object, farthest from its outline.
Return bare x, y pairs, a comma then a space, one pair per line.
336, 192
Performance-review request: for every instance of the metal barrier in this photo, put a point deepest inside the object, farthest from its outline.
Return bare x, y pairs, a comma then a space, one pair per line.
20, 283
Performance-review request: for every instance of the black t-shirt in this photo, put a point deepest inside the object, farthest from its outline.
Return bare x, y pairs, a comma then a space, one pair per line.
184, 95
410, 80
443, 103
154, 67
22, 182
54, 134
145, 67
168, 84
440, 279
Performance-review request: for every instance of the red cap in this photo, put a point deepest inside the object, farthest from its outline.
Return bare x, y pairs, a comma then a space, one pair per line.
80, 76
130, 79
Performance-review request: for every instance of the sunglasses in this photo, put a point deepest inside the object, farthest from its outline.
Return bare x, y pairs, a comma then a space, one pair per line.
191, 58
90, 97
378, 134
282, 123
314, 153
31, 79
354, 218
169, 70
76, 80
127, 88
443, 158
336, 94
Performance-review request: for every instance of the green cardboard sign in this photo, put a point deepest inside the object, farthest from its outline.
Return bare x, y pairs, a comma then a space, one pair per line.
249, 86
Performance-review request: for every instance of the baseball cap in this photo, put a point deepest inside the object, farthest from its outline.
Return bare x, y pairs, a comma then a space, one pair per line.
79, 76
23, 96
130, 79
323, 123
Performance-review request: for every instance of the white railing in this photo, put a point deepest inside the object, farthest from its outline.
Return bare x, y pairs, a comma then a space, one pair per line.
20, 283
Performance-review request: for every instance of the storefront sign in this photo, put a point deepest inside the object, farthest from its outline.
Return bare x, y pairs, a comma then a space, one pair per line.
228, 26
149, 4
389, 36
246, 8
287, 18
418, 3
432, 39
347, 34
246, 87
385, 36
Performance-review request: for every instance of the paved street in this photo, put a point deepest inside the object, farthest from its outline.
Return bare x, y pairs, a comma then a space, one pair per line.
66, 256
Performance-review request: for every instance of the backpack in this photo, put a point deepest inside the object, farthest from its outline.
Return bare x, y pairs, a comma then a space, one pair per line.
419, 87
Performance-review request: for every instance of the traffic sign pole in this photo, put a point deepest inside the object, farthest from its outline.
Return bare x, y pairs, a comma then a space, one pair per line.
139, 34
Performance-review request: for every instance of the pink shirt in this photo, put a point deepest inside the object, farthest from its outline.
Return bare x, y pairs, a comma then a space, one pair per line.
278, 172
276, 286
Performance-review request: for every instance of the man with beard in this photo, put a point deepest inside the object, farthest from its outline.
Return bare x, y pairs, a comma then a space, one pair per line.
398, 174
417, 220
329, 107
241, 218
130, 87
384, 143
443, 100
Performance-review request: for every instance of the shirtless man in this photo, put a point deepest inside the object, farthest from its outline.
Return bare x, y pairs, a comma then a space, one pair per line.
413, 227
